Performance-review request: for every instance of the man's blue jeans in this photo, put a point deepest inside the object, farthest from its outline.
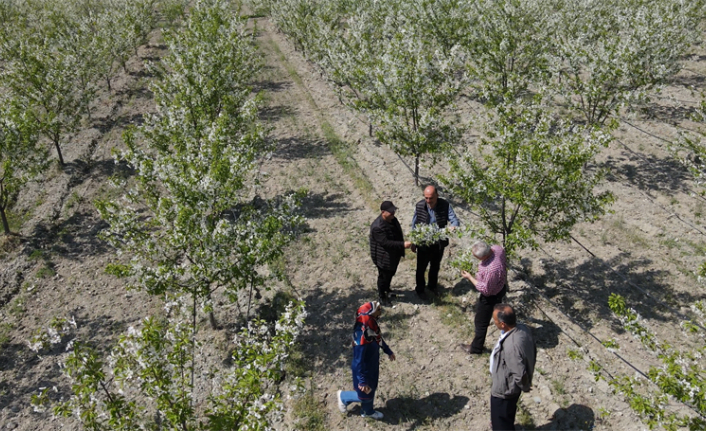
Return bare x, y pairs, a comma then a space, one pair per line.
352, 397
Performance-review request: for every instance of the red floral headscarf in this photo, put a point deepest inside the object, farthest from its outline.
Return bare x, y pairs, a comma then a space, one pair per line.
368, 326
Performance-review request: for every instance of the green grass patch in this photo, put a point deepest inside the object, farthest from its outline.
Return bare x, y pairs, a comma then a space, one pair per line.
310, 414
342, 151
45, 272
558, 386
630, 233
453, 315
5, 329
524, 418
574, 355
16, 307
17, 219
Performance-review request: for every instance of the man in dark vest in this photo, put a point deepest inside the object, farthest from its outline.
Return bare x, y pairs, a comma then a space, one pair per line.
387, 247
431, 210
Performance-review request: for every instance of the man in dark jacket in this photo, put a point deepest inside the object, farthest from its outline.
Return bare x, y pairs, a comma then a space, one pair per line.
387, 247
431, 210
511, 367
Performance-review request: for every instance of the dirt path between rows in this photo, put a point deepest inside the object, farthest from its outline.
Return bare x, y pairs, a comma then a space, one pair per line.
646, 250
433, 384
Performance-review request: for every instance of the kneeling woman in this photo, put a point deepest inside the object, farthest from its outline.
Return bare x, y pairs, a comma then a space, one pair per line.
367, 341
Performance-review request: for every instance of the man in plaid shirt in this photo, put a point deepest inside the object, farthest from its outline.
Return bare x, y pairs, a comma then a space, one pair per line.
491, 282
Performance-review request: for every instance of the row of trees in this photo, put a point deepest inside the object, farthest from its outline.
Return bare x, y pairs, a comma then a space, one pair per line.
543, 71
549, 78
55, 56
189, 229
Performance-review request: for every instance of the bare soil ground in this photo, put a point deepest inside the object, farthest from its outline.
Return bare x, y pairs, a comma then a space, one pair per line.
646, 250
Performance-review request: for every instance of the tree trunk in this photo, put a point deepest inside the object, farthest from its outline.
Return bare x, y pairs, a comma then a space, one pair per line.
211, 316
416, 170
193, 343
5, 224
58, 151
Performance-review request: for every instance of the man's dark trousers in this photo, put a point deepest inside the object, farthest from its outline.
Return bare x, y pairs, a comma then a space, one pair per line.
384, 281
430, 256
502, 413
484, 314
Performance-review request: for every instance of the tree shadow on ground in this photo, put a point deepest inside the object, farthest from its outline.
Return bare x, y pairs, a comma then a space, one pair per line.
545, 332
582, 290
272, 86
574, 417
106, 124
324, 205
648, 172
688, 79
416, 412
274, 113
18, 358
667, 114
326, 343
74, 238
292, 149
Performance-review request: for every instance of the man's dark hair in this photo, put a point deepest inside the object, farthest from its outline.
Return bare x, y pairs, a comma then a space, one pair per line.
506, 314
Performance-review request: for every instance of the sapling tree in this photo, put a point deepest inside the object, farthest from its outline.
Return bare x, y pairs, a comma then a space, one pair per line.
403, 83
21, 156
508, 44
532, 177
679, 376
144, 383
610, 54
185, 223
46, 81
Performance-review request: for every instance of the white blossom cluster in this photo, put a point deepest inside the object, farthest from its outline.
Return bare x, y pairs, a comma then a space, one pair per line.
53, 334
427, 234
680, 375
149, 374
185, 222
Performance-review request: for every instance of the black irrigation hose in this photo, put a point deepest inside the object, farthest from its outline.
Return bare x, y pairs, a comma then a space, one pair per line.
685, 128
696, 194
678, 100
672, 214
645, 132
694, 72
646, 293
625, 361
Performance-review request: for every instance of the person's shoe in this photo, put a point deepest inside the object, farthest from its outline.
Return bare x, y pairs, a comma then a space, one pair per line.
423, 296
385, 300
467, 348
341, 405
376, 415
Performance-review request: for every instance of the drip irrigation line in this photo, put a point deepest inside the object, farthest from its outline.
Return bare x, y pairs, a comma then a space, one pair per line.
644, 292
693, 71
645, 132
590, 334
695, 102
693, 192
685, 128
671, 214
